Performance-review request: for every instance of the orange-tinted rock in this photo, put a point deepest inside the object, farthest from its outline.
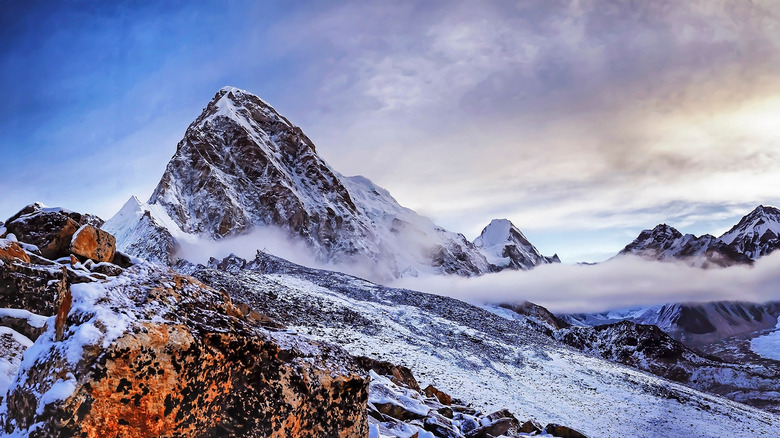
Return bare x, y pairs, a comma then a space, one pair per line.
50, 231
10, 251
94, 244
176, 358
443, 397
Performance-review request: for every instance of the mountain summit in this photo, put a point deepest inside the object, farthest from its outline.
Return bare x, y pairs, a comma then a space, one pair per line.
757, 234
242, 166
506, 246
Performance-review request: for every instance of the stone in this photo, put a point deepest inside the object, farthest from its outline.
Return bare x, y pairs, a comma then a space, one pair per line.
531, 426
10, 251
563, 431
400, 375
443, 397
440, 426
50, 231
23, 322
168, 356
122, 260
32, 287
105, 268
93, 243
398, 412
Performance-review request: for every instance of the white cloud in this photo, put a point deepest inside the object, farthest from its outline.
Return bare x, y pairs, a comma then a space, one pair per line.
619, 283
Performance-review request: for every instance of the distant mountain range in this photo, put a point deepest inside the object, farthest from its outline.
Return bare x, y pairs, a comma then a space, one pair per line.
756, 235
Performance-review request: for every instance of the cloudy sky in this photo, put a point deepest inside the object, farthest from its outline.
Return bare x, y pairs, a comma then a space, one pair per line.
583, 122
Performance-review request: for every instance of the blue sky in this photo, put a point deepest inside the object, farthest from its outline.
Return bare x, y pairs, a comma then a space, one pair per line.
583, 122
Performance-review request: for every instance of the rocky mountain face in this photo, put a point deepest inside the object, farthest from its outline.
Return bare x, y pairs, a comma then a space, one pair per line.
756, 235
242, 166
506, 247
126, 348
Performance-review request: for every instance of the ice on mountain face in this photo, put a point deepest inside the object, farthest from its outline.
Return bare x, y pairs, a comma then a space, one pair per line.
505, 246
242, 166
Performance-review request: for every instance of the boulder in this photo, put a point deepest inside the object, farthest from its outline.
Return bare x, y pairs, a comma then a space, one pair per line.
122, 260
10, 251
25, 323
399, 374
36, 288
563, 431
154, 353
531, 426
50, 231
444, 398
12, 347
93, 243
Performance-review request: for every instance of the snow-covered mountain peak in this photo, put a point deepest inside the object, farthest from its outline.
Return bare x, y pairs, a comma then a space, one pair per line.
242, 166
756, 234
506, 246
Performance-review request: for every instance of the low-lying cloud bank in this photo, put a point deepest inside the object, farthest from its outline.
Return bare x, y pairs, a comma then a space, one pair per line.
619, 283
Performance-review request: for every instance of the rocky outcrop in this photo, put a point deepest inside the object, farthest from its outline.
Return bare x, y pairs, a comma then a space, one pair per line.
33, 287
51, 231
399, 411
154, 353
93, 243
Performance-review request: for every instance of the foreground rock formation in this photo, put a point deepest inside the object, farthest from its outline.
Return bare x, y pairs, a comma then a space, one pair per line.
153, 353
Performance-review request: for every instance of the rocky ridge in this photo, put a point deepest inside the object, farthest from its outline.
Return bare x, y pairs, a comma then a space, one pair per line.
757, 234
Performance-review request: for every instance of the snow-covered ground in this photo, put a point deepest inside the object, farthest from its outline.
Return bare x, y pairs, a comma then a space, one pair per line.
488, 360
768, 345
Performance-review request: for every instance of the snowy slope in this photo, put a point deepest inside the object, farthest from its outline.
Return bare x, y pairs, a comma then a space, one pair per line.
469, 352
505, 246
243, 166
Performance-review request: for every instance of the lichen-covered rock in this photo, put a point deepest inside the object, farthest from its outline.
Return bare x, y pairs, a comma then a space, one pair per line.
93, 243
49, 229
36, 288
154, 353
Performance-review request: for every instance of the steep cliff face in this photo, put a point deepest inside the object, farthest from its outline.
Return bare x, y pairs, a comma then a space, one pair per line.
154, 353
243, 166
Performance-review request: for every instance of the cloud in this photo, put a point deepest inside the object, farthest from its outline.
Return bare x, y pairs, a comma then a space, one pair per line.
619, 283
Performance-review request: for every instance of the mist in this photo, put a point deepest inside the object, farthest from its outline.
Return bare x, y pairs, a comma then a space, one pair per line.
619, 283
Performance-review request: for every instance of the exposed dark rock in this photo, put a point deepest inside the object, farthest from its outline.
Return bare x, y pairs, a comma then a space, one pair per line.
399, 374
50, 231
35, 288
563, 431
